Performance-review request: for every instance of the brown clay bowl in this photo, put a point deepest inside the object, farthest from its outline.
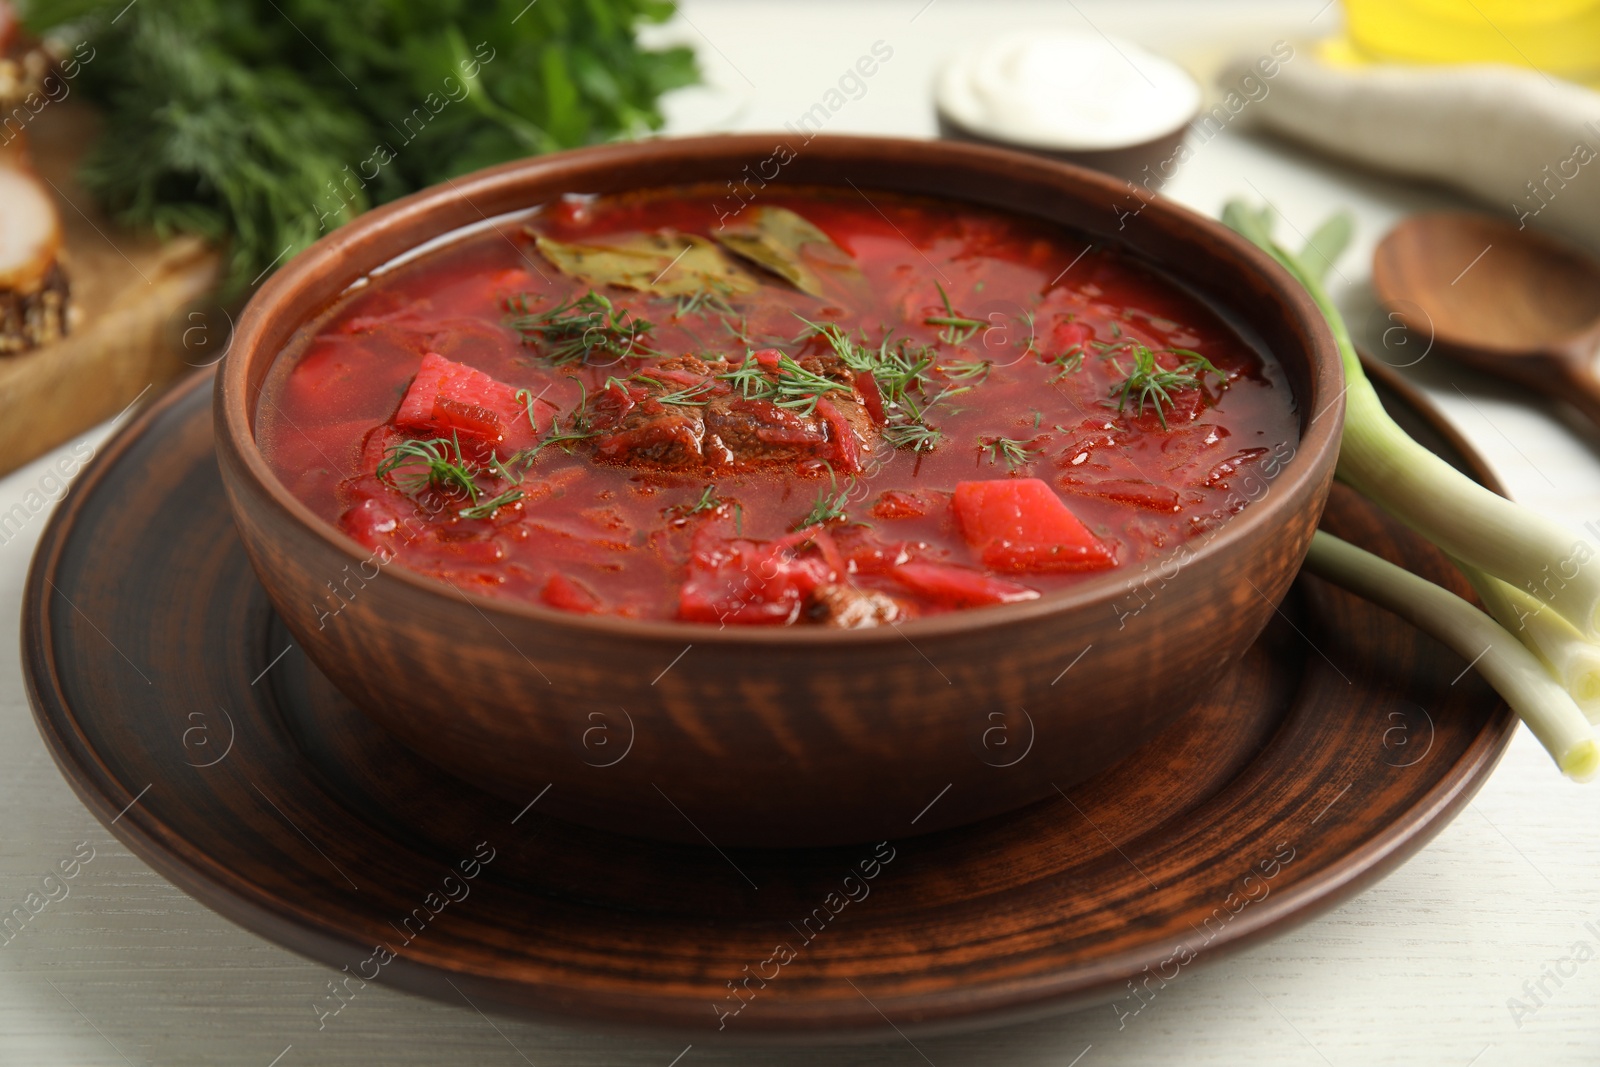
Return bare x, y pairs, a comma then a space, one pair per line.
793, 736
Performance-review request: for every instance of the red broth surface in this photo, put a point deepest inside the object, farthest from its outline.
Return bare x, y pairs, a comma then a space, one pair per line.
1026, 471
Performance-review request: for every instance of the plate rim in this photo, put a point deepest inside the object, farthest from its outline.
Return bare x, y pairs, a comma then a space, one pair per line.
955, 1009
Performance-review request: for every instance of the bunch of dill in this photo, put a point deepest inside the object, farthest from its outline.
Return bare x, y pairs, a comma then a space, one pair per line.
261, 124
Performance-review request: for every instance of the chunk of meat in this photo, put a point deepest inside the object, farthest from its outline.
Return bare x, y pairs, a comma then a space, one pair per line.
655, 436
848, 607
448, 398
683, 414
1018, 525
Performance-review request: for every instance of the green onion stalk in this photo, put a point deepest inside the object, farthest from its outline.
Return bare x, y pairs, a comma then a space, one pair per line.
1573, 661
1541, 655
1517, 674
1471, 523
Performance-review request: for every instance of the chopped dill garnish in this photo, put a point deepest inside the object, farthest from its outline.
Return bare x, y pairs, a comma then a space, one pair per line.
527, 397
501, 470
1150, 383
487, 509
829, 505
1014, 453
689, 396
564, 438
412, 466
701, 301
1067, 362
917, 436
574, 331
749, 378
577, 430
968, 370
900, 371
957, 328
709, 501
740, 333
789, 386
1029, 343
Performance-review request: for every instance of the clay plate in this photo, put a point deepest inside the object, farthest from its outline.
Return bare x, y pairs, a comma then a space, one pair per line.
179, 709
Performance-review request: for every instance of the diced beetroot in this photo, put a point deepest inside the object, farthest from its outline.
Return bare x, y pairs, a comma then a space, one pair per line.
474, 406
829, 548
568, 594
846, 449
871, 397
371, 522
869, 556
1218, 477
739, 581
409, 314
1065, 335
900, 504
333, 381
511, 280
1017, 525
1139, 493
469, 421
959, 587
375, 446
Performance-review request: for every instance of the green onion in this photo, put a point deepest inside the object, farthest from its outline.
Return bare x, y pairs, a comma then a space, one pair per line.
1574, 661
1525, 683
1468, 521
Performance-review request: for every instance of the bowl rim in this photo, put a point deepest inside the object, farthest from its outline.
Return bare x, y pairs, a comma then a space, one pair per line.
1317, 444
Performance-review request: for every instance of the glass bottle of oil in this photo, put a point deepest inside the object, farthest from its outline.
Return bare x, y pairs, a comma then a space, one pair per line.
1559, 37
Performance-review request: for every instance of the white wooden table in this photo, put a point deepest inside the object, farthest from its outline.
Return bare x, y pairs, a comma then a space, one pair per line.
126, 969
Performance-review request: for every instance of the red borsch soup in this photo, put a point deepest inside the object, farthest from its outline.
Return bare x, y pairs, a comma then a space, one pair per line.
828, 409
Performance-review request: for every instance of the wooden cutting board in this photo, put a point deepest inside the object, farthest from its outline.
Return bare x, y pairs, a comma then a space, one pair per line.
139, 310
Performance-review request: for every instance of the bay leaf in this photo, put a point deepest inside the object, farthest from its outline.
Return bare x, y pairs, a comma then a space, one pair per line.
789, 245
665, 263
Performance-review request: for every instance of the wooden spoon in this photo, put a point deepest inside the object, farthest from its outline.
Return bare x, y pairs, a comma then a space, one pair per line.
1510, 302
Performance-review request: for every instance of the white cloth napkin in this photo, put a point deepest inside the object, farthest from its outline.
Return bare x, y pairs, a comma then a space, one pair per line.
1524, 143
